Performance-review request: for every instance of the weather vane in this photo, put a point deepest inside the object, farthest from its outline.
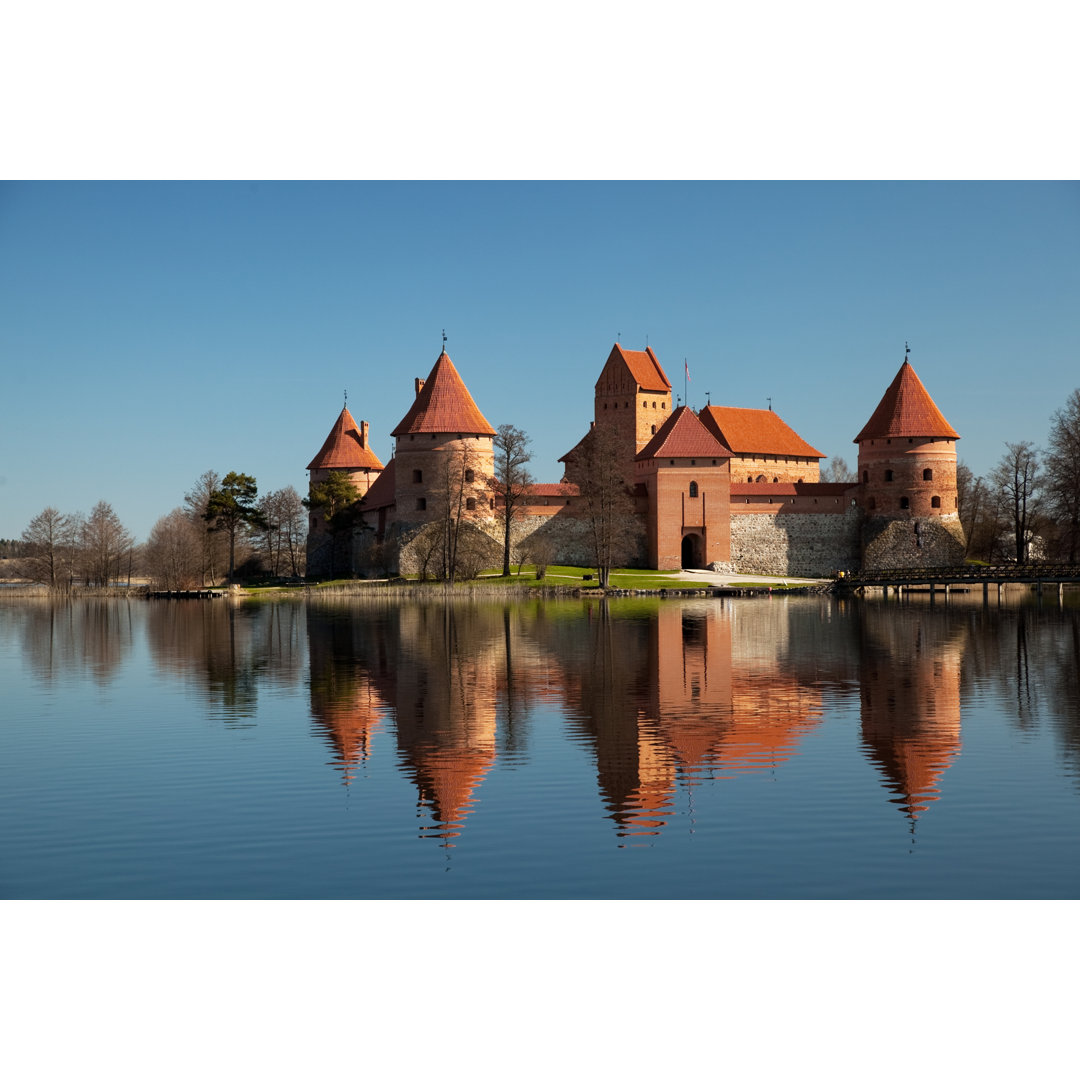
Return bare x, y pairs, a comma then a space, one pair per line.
444, 340
907, 349
346, 398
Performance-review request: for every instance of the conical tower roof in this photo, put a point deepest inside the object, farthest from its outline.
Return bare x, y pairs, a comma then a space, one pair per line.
345, 447
906, 410
444, 405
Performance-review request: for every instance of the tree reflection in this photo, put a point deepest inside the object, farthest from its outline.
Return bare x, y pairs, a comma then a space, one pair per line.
227, 650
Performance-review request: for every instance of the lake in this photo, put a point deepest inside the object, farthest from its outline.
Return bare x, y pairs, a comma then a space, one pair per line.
781, 747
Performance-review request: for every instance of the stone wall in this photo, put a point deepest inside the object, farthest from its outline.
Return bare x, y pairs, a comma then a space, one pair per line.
892, 545
798, 545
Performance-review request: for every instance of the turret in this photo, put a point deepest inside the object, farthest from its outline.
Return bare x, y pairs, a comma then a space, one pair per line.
907, 480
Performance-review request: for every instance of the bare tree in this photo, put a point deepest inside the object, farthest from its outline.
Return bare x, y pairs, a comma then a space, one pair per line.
283, 530
106, 546
838, 471
460, 491
1016, 482
1062, 463
971, 508
49, 542
607, 502
512, 454
212, 542
173, 554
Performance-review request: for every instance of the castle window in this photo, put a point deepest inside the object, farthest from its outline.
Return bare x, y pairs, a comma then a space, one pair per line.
693, 462
470, 476
644, 404
776, 479
928, 474
470, 504
761, 479
605, 404
421, 504
313, 522
417, 476
865, 477
654, 429
663, 405
693, 489
433, 434
888, 476
904, 502
936, 502
654, 404
626, 404
671, 462
491, 504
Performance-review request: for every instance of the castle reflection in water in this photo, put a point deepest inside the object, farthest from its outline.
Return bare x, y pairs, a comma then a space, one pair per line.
661, 696
666, 697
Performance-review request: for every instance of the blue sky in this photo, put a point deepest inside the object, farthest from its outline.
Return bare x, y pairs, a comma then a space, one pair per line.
152, 331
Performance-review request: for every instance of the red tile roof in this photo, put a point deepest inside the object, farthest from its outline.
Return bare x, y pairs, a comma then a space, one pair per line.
644, 368
381, 493
683, 435
906, 410
344, 448
553, 490
755, 431
444, 405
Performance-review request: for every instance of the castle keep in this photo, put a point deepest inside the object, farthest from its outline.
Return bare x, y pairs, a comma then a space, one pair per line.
724, 487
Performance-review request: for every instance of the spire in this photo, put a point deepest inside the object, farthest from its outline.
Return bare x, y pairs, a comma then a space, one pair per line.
443, 404
346, 447
906, 410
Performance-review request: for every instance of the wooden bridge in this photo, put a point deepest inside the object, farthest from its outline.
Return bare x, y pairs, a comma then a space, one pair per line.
945, 577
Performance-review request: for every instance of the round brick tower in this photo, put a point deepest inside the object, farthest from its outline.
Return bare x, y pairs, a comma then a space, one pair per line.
907, 480
443, 442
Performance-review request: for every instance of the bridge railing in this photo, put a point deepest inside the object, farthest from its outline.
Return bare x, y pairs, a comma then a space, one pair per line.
1028, 572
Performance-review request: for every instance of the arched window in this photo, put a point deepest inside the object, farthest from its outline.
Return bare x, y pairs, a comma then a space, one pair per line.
936, 501
904, 502
865, 477
888, 476
644, 404
776, 479
654, 429
470, 504
693, 489
470, 476
928, 474
417, 476
760, 479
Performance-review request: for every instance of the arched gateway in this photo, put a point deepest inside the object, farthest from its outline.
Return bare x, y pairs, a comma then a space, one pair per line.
691, 552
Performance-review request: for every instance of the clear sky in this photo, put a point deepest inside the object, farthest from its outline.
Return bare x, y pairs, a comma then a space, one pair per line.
152, 331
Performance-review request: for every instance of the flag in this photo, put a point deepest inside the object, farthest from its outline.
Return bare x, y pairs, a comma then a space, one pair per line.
686, 369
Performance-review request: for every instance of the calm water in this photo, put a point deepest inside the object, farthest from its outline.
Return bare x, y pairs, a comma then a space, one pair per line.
796, 747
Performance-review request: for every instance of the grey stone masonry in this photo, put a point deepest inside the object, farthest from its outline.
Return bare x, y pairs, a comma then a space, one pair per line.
802, 545
893, 545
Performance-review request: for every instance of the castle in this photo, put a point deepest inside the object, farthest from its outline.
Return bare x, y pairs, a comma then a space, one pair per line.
728, 488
